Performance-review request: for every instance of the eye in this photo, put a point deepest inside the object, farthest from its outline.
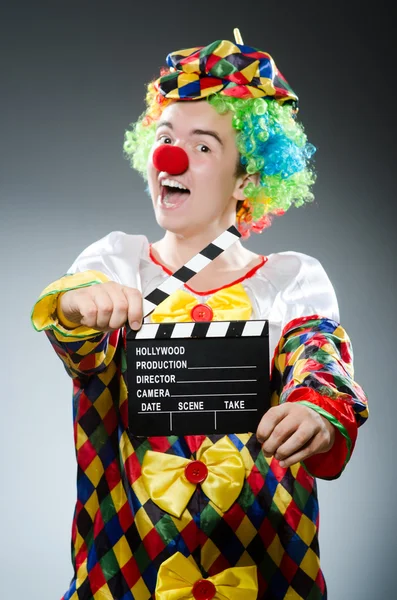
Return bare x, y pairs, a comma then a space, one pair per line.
203, 148
165, 139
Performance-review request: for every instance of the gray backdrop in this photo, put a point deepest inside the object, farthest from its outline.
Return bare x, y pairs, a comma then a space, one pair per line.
73, 77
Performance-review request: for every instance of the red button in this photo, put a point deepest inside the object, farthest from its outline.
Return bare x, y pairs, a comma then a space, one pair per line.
196, 472
202, 312
203, 590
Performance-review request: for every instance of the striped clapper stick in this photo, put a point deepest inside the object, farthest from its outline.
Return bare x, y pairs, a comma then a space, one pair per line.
191, 268
197, 378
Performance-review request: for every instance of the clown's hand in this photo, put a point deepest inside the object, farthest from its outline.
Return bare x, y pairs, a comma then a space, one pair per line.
104, 306
292, 432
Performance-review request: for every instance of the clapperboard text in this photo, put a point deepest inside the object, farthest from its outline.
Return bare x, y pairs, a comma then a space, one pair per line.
166, 365
162, 365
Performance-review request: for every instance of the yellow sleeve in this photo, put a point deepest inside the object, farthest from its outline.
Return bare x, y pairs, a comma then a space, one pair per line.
83, 351
44, 313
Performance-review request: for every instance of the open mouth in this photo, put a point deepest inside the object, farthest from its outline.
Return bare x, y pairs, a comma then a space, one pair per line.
173, 194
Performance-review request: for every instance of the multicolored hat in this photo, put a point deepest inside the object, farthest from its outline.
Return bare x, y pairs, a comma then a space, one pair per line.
224, 67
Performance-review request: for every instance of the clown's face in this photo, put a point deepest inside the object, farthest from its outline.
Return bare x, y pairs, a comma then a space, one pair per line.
212, 187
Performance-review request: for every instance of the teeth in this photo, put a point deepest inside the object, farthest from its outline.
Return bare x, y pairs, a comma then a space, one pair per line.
174, 184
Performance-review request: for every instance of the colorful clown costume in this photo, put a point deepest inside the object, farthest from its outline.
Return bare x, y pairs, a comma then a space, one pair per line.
201, 516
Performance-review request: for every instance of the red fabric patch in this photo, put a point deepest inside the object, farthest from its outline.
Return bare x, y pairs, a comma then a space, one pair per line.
131, 572
110, 420
87, 363
288, 567
212, 60
293, 515
132, 468
86, 455
238, 77
304, 479
125, 517
255, 480
97, 578
239, 91
81, 556
191, 536
318, 340
190, 58
278, 472
207, 82
320, 581
114, 337
345, 352
313, 365
299, 322
159, 444
234, 516
267, 532
153, 544
218, 566
98, 523
112, 475
258, 55
84, 405
194, 442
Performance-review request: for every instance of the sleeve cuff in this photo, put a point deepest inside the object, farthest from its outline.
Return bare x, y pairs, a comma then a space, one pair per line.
329, 465
44, 313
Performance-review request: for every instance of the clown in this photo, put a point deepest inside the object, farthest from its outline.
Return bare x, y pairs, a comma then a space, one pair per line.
206, 516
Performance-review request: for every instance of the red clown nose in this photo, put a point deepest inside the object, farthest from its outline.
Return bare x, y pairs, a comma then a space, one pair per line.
171, 159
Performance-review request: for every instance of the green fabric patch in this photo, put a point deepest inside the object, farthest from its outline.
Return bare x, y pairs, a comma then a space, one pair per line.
300, 495
141, 450
291, 345
268, 567
208, 50
99, 437
315, 594
223, 68
172, 439
261, 464
108, 510
275, 516
167, 530
208, 519
123, 361
246, 497
109, 565
142, 558
168, 77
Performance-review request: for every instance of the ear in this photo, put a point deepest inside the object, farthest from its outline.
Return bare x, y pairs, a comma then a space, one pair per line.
241, 183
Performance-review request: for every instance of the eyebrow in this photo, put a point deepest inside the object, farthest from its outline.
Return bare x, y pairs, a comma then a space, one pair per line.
214, 134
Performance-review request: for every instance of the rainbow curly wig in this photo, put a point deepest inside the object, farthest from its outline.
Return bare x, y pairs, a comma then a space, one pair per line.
270, 141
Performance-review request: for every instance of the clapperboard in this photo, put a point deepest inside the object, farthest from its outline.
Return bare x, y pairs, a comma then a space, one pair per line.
197, 377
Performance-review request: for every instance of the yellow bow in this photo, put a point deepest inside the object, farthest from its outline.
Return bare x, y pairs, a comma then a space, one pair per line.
177, 576
228, 304
166, 483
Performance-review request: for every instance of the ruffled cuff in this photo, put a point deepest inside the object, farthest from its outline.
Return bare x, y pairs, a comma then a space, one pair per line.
329, 465
44, 313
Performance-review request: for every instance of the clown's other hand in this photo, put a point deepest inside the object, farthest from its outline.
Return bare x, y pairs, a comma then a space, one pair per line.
103, 306
292, 432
